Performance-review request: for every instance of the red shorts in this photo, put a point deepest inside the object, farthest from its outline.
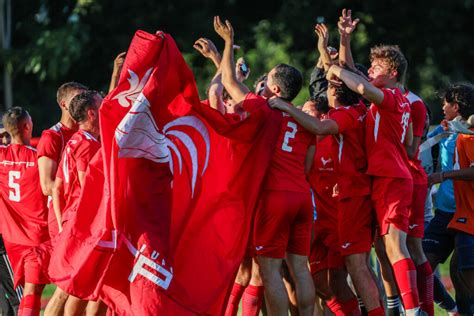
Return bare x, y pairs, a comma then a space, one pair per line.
416, 213
355, 225
391, 199
27, 267
283, 224
324, 252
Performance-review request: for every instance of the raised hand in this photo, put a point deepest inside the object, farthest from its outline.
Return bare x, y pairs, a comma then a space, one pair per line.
323, 36
346, 25
206, 47
118, 62
224, 30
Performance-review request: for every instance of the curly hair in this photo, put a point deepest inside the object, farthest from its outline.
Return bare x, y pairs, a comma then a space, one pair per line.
393, 56
463, 95
81, 103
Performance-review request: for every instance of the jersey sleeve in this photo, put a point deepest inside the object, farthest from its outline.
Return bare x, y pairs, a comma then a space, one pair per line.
418, 116
343, 119
84, 153
467, 149
389, 100
49, 146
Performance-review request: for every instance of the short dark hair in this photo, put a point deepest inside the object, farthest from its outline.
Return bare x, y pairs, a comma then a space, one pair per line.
13, 118
393, 56
346, 96
67, 88
289, 79
321, 104
463, 95
81, 103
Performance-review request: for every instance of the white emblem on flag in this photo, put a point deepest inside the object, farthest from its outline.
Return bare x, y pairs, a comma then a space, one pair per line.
128, 97
138, 136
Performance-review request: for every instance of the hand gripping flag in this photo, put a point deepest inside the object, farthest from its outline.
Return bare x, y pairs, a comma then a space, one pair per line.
166, 208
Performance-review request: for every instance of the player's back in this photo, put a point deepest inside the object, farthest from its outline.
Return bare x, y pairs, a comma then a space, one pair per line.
24, 212
286, 170
78, 151
385, 132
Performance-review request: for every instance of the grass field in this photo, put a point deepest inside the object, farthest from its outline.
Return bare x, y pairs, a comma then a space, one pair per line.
443, 271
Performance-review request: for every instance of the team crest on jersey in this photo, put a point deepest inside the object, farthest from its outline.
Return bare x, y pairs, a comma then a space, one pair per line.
138, 136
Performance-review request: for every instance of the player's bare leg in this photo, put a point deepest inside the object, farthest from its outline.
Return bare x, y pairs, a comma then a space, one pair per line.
75, 306
56, 304
397, 252
298, 266
339, 286
96, 308
363, 280
245, 272
389, 283
290, 289
321, 284
252, 299
276, 298
31, 302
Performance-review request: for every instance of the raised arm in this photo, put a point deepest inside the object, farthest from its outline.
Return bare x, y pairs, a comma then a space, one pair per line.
345, 27
118, 64
207, 48
323, 37
236, 89
356, 83
312, 124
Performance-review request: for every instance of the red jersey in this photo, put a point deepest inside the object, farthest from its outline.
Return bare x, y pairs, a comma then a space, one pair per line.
76, 157
351, 156
286, 170
418, 118
463, 219
53, 141
23, 212
385, 131
323, 179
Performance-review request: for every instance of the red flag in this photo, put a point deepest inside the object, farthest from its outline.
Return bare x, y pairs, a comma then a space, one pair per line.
170, 229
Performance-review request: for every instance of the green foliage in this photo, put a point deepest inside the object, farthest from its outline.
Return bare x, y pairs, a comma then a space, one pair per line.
58, 41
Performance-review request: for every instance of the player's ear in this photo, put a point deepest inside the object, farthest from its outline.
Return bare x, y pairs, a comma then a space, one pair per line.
276, 90
394, 74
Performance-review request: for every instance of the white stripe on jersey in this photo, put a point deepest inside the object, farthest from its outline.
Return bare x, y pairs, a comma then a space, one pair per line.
376, 126
413, 97
89, 136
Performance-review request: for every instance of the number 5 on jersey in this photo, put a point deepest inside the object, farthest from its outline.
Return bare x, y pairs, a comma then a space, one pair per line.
14, 193
290, 134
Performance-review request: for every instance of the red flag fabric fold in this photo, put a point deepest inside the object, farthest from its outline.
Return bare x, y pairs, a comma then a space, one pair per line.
165, 212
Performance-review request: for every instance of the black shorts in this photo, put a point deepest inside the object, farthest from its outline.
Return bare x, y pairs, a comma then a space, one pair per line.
465, 250
438, 240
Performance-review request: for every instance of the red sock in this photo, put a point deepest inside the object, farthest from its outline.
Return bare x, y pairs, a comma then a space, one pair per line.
335, 307
234, 299
30, 305
424, 280
379, 311
405, 275
351, 307
252, 300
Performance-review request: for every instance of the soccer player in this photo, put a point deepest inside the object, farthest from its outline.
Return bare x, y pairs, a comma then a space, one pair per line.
461, 96
77, 154
354, 212
23, 208
388, 131
52, 143
284, 219
424, 273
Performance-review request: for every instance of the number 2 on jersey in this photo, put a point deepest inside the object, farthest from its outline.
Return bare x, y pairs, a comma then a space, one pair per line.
289, 135
14, 194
